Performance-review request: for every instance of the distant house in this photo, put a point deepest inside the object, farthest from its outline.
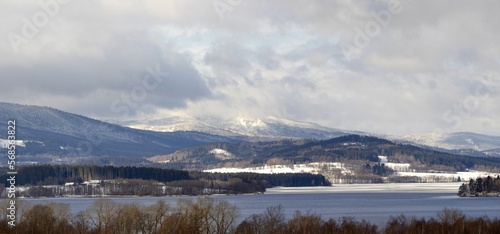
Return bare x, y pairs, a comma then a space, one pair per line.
69, 184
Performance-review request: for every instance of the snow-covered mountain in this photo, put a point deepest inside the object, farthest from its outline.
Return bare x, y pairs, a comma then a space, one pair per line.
46, 130
259, 128
274, 128
460, 142
172, 124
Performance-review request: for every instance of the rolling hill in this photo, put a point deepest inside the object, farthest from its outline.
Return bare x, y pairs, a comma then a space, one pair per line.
49, 132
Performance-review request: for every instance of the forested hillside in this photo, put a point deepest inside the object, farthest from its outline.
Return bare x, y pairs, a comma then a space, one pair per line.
59, 180
344, 148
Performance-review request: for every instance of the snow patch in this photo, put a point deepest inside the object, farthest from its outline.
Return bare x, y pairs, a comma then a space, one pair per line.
222, 154
4, 144
383, 159
398, 166
393, 166
251, 123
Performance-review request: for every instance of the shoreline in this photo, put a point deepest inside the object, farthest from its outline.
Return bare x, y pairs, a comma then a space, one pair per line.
449, 187
445, 188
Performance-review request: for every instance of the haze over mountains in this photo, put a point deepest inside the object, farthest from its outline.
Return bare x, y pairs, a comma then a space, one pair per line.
48, 131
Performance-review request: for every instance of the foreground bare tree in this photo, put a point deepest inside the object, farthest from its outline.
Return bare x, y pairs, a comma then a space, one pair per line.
204, 215
101, 215
153, 217
304, 223
223, 215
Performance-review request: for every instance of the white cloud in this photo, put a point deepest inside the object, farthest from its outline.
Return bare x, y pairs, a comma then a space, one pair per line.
277, 58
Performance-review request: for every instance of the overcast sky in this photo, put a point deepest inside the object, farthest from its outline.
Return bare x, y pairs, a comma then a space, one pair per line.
395, 67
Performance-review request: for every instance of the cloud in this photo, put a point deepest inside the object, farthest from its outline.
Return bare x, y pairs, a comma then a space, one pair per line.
78, 59
280, 58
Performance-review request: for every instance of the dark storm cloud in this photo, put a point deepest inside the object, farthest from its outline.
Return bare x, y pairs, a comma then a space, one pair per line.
121, 68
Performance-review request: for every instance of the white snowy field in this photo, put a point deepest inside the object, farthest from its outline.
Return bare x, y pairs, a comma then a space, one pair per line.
464, 175
314, 168
327, 168
372, 188
262, 170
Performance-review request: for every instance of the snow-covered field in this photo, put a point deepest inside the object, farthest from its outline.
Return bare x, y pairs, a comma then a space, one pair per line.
394, 166
466, 175
326, 168
266, 169
276, 169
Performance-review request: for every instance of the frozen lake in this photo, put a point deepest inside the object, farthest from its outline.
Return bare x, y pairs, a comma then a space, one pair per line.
373, 202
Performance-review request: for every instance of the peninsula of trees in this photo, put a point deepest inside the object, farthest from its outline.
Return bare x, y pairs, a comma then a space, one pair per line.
481, 187
64, 180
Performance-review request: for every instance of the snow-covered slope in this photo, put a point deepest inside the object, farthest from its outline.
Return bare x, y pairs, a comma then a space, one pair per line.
275, 128
172, 124
314, 168
271, 127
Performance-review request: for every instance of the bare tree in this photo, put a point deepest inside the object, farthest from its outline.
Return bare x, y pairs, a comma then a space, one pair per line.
270, 222
304, 223
274, 219
40, 219
126, 221
224, 215
153, 217
204, 215
450, 216
101, 214
80, 222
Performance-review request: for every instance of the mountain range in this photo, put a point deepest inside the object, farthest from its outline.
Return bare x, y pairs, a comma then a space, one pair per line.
272, 128
50, 135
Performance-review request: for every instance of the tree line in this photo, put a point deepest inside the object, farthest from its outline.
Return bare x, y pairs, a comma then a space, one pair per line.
49, 181
206, 215
60, 174
487, 186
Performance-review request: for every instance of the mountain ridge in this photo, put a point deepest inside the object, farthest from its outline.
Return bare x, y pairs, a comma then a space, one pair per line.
272, 128
257, 128
51, 132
